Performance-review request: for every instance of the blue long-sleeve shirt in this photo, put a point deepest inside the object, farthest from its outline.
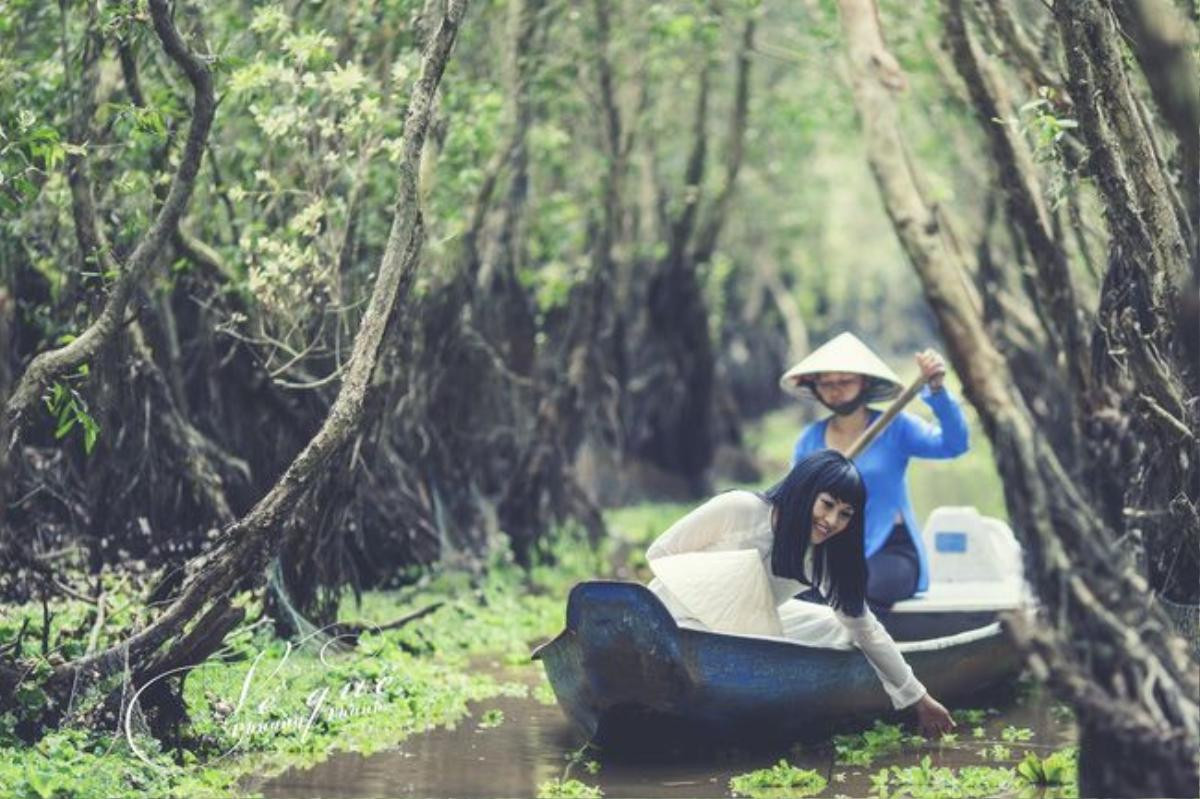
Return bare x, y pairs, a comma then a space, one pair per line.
884, 463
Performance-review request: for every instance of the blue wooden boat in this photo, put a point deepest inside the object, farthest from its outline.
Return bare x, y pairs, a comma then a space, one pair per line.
626, 674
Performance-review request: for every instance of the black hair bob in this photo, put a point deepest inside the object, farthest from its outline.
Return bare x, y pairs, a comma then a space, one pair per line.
842, 557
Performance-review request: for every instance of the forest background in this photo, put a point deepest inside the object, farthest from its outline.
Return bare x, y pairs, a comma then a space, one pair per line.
326, 296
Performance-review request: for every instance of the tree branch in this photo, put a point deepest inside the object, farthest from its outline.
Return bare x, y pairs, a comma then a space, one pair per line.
1164, 42
1052, 284
247, 545
49, 365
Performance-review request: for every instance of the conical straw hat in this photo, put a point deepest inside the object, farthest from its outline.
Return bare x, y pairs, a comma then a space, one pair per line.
844, 353
728, 591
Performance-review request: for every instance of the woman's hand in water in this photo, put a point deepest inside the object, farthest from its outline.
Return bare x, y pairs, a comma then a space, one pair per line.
933, 368
932, 717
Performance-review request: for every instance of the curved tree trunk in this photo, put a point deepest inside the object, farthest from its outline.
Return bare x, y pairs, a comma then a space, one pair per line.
1144, 360
247, 544
49, 365
1101, 645
149, 409
1164, 42
1052, 290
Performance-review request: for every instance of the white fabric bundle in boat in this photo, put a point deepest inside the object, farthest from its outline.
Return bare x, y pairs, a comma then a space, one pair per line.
728, 591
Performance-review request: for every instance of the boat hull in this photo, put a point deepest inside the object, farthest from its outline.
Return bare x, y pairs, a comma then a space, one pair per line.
624, 671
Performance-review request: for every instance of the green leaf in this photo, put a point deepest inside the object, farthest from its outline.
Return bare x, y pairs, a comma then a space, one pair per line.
1028, 768
65, 425
91, 432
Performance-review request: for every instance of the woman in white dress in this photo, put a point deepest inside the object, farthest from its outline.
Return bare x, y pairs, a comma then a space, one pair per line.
735, 563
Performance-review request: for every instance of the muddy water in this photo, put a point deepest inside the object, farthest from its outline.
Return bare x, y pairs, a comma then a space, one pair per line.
535, 743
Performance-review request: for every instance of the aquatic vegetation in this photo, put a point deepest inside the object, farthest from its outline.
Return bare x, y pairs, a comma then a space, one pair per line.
579, 757
567, 789
392, 684
513, 690
1012, 734
71, 762
880, 781
861, 749
996, 751
778, 782
428, 671
1057, 769
983, 780
926, 781
491, 718
971, 716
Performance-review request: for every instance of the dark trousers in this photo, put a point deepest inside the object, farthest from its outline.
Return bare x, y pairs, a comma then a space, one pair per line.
892, 572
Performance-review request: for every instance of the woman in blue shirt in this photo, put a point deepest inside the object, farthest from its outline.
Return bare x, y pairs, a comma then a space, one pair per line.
844, 375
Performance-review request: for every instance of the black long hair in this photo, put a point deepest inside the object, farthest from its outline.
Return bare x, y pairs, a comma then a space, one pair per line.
841, 557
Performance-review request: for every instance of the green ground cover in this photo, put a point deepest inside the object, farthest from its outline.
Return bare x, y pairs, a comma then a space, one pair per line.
266, 705
304, 702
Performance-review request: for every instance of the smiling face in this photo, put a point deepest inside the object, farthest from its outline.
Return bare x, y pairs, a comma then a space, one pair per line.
830, 516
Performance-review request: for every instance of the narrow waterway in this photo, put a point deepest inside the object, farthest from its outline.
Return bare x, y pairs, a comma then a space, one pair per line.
535, 743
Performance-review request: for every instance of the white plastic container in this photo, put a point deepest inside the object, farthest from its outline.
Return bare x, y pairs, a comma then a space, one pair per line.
963, 546
974, 564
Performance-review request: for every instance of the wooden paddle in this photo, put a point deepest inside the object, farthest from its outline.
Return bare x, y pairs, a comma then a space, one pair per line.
872, 432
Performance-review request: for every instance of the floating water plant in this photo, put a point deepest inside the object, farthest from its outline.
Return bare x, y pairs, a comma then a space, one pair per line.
568, 789
969, 715
926, 781
780, 781
1013, 734
491, 718
996, 752
1058, 768
862, 749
